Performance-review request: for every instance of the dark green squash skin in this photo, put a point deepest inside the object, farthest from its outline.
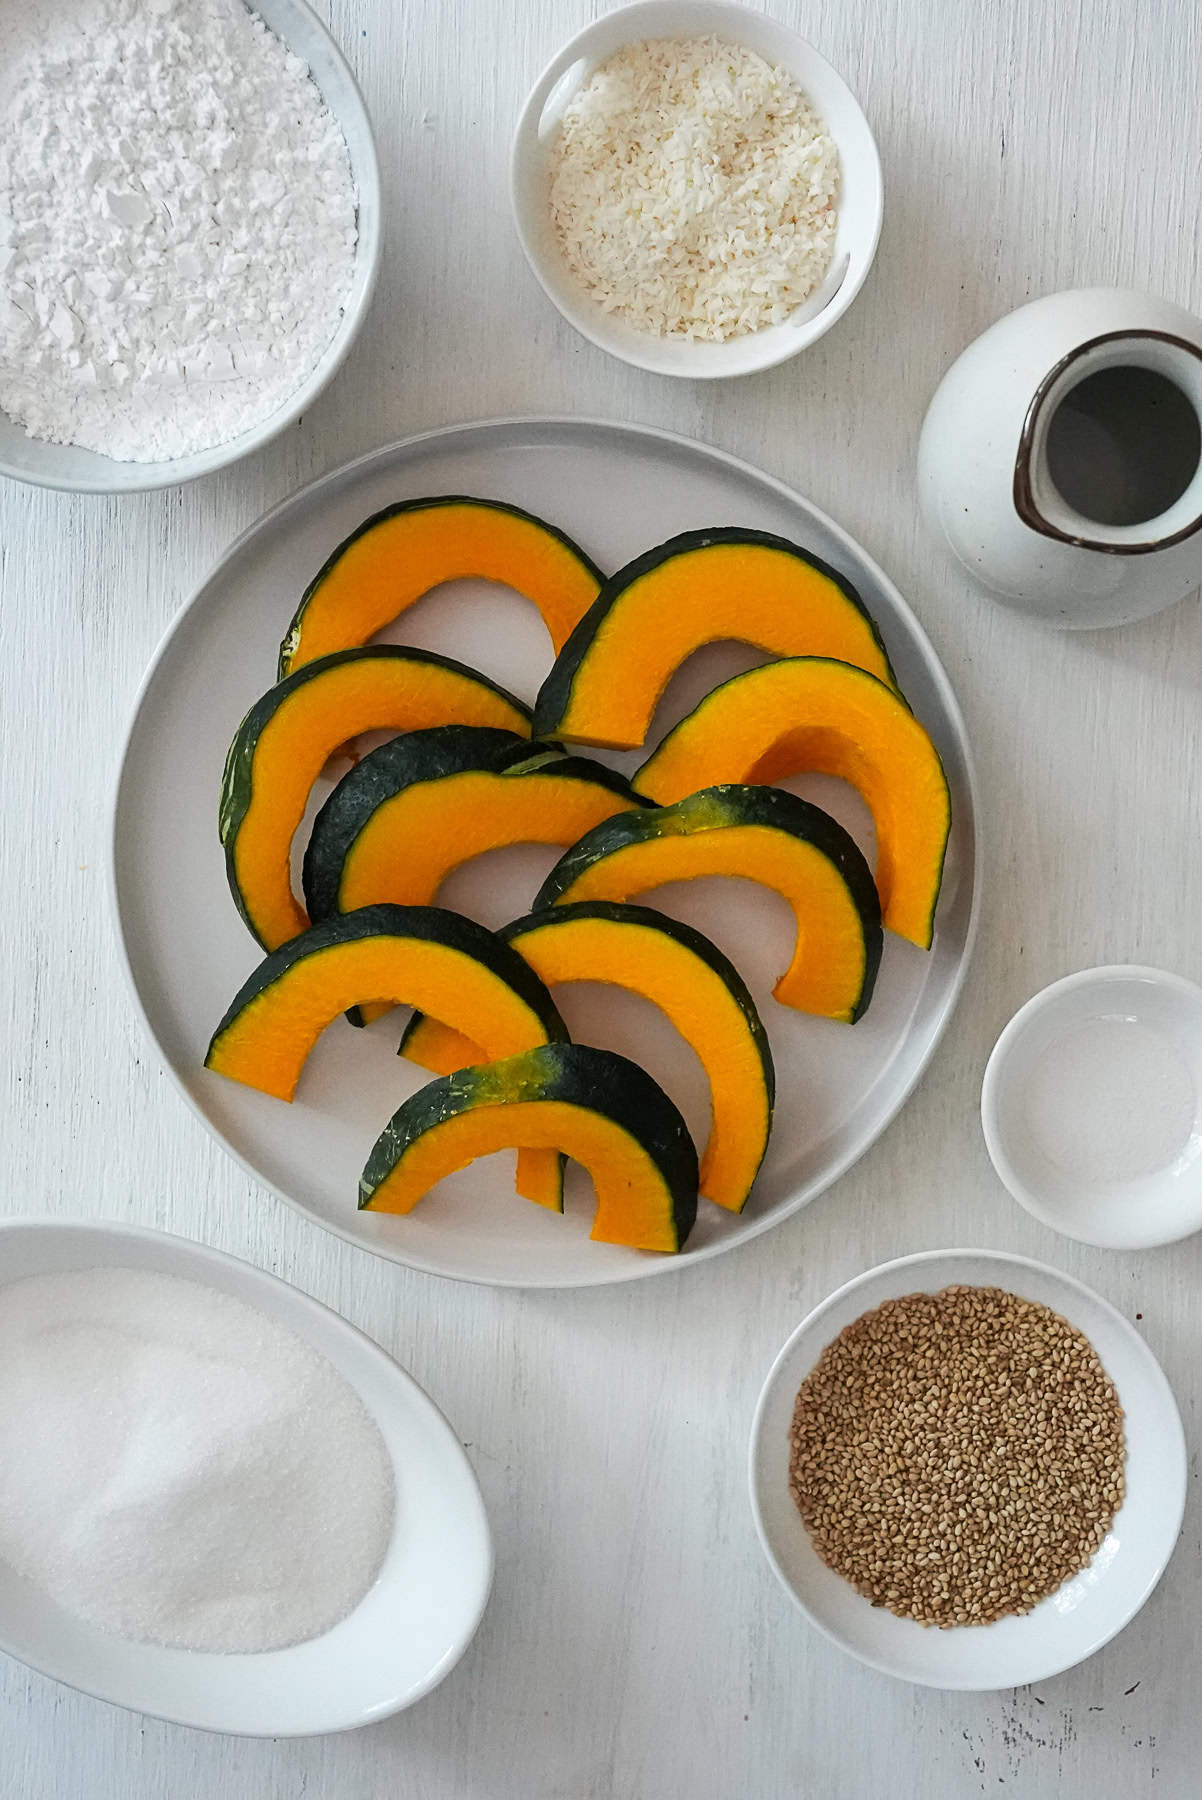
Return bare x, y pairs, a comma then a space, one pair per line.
236, 779
291, 637
430, 924
598, 1080
556, 691
735, 803
424, 756
626, 912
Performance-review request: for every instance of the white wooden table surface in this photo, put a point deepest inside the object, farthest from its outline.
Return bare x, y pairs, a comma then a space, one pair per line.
637, 1645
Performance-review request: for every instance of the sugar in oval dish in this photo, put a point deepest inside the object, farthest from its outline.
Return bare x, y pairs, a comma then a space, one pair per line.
179, 1468
694, 189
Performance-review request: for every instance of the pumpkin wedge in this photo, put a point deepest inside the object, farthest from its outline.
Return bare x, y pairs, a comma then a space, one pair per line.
399, 554
689, 979
423, 956
425, 802
289, 735
765, 835
698, 588
598, 1108
809, 713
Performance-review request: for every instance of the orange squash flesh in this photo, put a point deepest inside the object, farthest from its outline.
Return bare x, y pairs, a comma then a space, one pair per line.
747, 592
813, 714
689, 992
412, 842
827, 973
266, 1044
629, 1186
300, 737
403, 554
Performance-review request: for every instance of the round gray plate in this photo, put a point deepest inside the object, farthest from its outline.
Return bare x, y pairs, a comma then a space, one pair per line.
617, 489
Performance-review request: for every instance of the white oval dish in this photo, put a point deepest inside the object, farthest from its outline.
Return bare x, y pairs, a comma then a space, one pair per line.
1084, 1613
408, 1631
861, 194
1091, 1106
615, 489
67, 467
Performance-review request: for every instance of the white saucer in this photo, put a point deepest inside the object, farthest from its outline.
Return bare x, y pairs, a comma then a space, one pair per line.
1092, 1107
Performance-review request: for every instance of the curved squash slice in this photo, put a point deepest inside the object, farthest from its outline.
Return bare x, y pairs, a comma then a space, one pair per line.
766, 835
399, 554
690, 980
596, 1107
423, 803
809, 713
697, 589
289, 735
423, 956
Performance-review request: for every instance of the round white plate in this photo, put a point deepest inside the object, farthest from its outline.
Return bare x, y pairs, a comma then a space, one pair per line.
410, 1628
1084, 1613
617, 489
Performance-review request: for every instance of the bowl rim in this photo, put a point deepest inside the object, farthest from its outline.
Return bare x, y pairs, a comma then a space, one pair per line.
365, 168
585, 318
1099, 976
1005, 1258
299, 1301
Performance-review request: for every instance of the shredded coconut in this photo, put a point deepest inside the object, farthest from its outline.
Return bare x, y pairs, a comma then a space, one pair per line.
177, 223
694, 189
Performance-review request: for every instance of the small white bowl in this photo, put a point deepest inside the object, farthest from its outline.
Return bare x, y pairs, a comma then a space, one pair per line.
1082, 1615
410, 1628
861, 196
73, 470
1092, 1107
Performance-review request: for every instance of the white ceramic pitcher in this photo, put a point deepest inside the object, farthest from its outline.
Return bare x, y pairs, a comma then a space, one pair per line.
1061, 457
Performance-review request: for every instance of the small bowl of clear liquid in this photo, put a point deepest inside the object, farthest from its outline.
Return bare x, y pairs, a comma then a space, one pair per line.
1092, 1106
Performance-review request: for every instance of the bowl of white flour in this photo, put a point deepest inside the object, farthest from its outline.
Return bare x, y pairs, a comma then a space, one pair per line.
189, 233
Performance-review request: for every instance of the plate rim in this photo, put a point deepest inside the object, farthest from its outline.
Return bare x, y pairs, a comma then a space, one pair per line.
642, 1268
175, 1243
913, 1260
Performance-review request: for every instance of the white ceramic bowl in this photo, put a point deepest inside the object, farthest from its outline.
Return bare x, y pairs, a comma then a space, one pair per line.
1092, 1107
861, 198
1082, 1615
85, 471
408, 1631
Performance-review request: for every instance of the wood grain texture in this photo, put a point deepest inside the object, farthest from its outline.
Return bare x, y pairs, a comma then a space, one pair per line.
637, 1646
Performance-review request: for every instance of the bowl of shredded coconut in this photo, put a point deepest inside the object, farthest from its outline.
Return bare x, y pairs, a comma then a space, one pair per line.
189, 233
696, 188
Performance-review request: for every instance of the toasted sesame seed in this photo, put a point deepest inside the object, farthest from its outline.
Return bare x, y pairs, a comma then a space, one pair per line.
984, 1429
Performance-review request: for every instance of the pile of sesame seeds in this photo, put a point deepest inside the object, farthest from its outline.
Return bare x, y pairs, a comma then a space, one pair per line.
957, 1456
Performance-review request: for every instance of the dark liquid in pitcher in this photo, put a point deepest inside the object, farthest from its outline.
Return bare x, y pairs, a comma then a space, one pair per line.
1123, 445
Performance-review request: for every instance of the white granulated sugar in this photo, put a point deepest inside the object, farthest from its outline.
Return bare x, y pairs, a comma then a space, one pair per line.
694, 189
177, 223
178, 1468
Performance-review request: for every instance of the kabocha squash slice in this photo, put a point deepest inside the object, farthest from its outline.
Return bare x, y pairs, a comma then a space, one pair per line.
809, 713
690, 980
422, 956
698, 588
288, 736
425, 802
399, 554
598, 1108
765, 835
